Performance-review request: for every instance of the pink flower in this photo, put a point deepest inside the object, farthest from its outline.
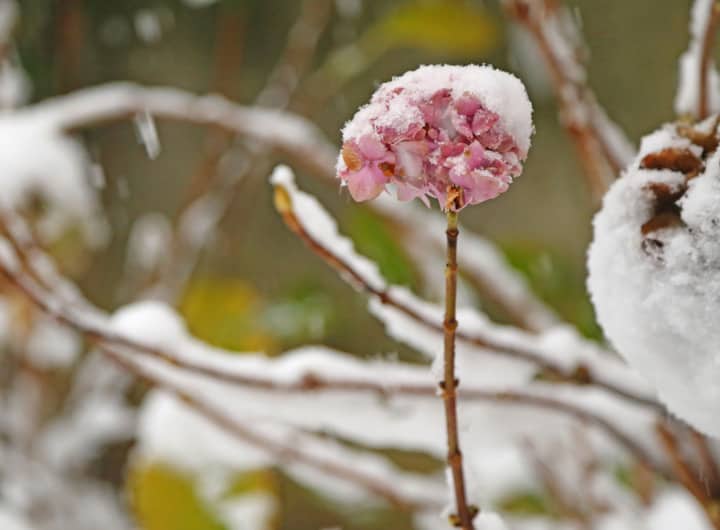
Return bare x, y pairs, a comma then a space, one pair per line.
439, 130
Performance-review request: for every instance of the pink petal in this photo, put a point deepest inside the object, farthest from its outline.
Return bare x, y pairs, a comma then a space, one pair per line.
371, 147
366, 184
483, 121
410, 157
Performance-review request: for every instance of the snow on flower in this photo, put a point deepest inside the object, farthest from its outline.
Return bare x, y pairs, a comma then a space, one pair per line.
654, 268
463, 129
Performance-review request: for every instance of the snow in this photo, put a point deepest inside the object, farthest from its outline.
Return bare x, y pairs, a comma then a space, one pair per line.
149, 241
686, 98
396, 421
147, 26
52, 345
249, 511
11, 521
39, 161
675, 509
489, 521
656, 295
499, 91
323, 228
147, 134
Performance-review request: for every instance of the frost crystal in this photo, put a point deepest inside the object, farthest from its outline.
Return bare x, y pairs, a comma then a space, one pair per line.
437, 128
654, 268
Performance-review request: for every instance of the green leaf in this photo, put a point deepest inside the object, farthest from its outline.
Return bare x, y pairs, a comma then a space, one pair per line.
559, 282
373, 239
447, 27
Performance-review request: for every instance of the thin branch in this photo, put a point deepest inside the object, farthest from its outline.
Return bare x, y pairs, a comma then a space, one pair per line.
299, 50
465, 513
707, 43
685, 474
600, 145
292, 135
708, 462
581, 374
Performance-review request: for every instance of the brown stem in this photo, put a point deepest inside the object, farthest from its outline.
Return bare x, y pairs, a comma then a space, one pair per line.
465, 513
708, 40
686, 475
708, 461
576, 101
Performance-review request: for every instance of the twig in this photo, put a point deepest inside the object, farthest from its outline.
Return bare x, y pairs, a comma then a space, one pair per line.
683, 470
708, 463
465, 514
708, 41
580, 375
594, 136
300, 48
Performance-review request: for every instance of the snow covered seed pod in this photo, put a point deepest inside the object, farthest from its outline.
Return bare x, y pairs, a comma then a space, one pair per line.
437, 127
654, 268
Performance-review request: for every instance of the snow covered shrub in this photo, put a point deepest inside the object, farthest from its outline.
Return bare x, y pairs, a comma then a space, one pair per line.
654, 265
526, 425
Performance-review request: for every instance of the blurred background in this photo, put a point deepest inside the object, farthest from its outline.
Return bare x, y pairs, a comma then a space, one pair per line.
255, 286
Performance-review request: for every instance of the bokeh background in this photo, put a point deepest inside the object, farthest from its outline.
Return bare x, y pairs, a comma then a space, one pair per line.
256, 286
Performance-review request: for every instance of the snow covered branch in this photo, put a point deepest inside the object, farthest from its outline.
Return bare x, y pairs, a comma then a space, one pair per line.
306, 218
698, 92
289, 133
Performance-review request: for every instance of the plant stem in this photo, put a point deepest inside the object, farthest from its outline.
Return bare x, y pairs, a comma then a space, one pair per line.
465, 514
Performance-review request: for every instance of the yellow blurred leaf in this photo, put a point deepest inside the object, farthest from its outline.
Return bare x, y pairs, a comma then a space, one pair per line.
226, 312
445, 27
165, 499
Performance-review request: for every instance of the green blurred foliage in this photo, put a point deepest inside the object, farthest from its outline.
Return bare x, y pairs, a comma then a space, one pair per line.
374, 239
556, 280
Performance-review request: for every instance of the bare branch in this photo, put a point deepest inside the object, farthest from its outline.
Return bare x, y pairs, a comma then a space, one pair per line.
601, 147
705, 63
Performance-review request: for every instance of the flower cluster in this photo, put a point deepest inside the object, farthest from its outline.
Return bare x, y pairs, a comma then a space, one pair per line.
455, 133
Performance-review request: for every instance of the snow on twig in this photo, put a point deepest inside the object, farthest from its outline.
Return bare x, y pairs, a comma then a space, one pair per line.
410, 319
698, 92
314, 372
280, 130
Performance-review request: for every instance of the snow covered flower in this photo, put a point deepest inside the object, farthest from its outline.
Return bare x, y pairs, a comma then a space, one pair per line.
439, 129
654, 268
